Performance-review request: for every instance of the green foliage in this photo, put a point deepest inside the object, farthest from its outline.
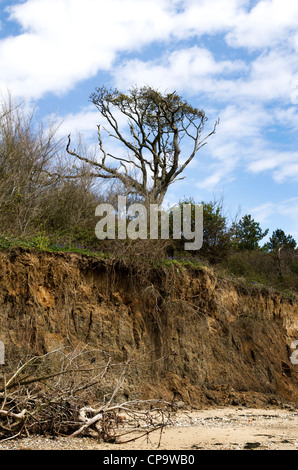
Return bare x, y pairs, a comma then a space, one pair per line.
5, 242
155, 109
259, 268
47, 208
247, 233
294, 267
216, 234
178, 262
157, 124
41, 241
280, 240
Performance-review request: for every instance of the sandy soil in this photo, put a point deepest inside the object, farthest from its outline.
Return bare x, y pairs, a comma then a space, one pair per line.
211, 429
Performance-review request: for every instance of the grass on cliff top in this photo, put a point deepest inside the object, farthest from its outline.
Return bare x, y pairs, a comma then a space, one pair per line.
44, 244
248, 270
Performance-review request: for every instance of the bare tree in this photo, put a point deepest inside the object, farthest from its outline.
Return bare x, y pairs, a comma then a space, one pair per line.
157, 124
26, 151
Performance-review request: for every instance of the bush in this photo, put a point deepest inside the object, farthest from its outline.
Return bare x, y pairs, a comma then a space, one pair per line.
264, 268
26, 154
216, 234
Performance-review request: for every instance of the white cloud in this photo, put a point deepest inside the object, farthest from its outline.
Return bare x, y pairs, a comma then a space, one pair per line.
242, 143
220, 174
239, 140
271, 76
285, 208
63, 42
189, 69
263, 212
283, 165
84, 121
202, 17
267, 24
66, 41
286, 118
82, 128
240, 56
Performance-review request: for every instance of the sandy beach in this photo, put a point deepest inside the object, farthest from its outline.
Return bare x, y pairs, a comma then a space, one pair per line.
210, 429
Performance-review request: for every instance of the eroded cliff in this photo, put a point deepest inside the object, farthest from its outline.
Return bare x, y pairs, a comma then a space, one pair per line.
192, 336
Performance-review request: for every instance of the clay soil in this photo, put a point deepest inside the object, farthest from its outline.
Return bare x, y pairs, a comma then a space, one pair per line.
211, 429
213, 344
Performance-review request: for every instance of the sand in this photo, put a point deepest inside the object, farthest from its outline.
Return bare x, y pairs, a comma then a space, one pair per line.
211, 429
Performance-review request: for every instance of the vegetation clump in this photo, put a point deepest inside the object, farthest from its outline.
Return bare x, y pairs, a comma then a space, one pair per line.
49, 191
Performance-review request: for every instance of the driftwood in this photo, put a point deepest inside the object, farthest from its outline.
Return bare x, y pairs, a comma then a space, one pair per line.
50, 395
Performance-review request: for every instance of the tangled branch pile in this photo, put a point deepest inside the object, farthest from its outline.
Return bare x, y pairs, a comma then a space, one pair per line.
55, 394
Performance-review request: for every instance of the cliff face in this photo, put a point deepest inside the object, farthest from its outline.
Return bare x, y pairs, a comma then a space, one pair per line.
191, 335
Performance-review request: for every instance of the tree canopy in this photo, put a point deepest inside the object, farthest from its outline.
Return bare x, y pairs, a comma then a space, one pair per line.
156, 125
280, 240
247, 233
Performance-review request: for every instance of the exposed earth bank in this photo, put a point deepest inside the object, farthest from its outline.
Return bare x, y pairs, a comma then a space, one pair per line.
190, 335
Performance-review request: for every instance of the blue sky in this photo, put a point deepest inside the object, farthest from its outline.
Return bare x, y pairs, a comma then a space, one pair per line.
236, 59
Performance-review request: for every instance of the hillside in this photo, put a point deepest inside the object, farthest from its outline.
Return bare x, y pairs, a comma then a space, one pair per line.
189, 334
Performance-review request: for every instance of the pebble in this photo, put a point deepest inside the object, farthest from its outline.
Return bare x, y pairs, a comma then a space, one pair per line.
222, 419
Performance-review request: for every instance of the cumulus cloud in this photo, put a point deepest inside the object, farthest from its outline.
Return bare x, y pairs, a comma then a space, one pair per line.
239, 55
188, 69
283, 165
202, 17
63, 42
268, 23
239, 140
242, 143
66, 41
271, 76
286, 209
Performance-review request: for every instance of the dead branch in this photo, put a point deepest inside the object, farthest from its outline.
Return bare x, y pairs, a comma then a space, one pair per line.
59, 402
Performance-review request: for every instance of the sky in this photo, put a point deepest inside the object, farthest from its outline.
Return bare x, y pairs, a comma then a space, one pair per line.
235, 59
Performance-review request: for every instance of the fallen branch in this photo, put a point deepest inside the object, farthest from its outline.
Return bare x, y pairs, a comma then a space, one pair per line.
58, 402
18, 416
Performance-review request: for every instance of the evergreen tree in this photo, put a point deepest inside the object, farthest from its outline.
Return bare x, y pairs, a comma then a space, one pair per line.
247, 233
280, 240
